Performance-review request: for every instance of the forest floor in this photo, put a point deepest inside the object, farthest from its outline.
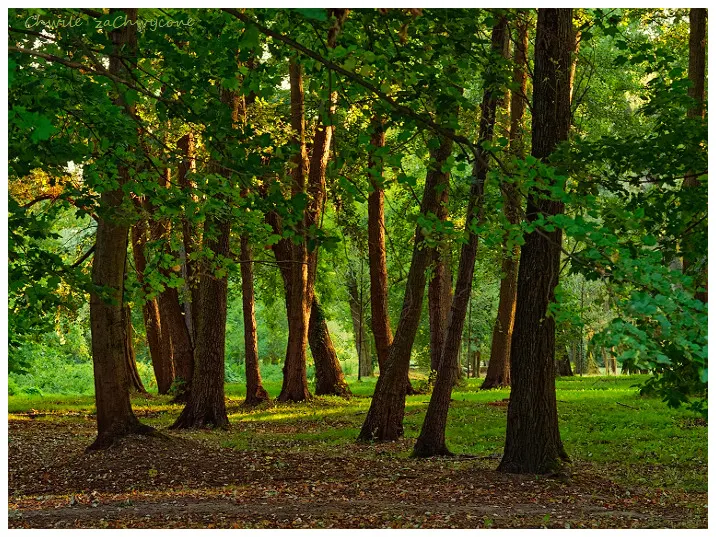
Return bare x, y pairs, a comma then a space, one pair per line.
636, 464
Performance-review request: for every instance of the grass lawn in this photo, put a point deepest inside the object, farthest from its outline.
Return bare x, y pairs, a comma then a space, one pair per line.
637, 444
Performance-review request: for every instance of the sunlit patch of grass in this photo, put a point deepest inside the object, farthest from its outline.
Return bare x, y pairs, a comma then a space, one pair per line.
605, 425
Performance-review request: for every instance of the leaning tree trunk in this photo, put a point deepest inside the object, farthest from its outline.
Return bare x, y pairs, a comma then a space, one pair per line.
431, 441
380, 320
384, 421
255, 392
329, 376
533, 443
159, 343
693, 253
111, 381
498, 369
135, 381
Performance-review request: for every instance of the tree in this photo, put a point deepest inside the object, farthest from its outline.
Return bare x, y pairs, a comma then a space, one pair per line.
440, 285
115, 417
378, 267
697, 77
159, 342
205, 405
498, 369
384, 421
533, 443
431, 441
255, 392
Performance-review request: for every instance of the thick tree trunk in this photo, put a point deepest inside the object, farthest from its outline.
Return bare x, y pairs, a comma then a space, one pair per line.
498, 369
159, 343
360, 335
431, 441
384, 421
329, 375
697, 76
380, 319
533, 443
298, 302
206, 406
111, 380
255, 392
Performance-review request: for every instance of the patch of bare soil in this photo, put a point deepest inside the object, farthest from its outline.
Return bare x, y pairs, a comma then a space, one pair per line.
179, 482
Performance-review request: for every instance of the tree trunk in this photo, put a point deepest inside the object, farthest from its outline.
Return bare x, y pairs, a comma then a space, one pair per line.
206, 406
189, 231
693, 253
533, 443
115, 417
384, 421
431, 441
298, 303
328, 368
173, 322
135, 381
255, 392
365, 365
498, 369
440, 286
380, 319
564, 367
329, 375
158, 341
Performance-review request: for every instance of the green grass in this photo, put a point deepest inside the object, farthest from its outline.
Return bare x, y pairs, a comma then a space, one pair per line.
604, 424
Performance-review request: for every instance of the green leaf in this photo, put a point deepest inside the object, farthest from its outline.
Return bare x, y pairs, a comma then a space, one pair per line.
314, 14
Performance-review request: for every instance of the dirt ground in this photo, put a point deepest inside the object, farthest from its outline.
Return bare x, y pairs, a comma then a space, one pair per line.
188, 482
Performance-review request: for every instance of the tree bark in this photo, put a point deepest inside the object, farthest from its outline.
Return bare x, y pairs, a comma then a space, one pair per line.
158, 341
206, 406
564, 367
255, 392
533, 443
329, 375
135, 381
431, 441
697, 76
498, 369
189, 231
173, 321
115, 417
380, 319
298, 303
384, 422
440, 285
